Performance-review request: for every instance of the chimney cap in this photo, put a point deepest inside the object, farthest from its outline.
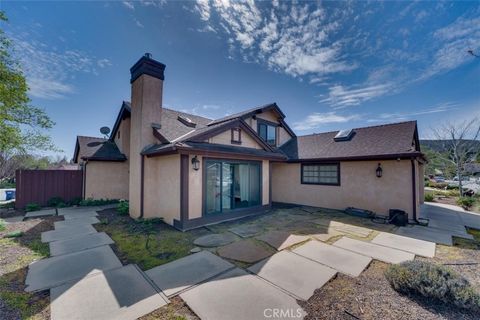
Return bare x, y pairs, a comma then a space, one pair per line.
147, 65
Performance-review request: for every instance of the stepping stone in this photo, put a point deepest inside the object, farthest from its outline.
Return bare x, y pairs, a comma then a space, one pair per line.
214, 240
237, 295
76, 222
293, 273
179, 275
122, 293
195, 250
418, 247
83, 215
55, 271
345, 261
75, 210
41, 213
456, 226
427, 234
244, 251
246, 231
69, 232
385, 254
326, 236
80, 243
281, 240
344, 228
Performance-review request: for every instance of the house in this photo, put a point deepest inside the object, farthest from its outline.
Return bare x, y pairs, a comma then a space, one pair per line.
192, 171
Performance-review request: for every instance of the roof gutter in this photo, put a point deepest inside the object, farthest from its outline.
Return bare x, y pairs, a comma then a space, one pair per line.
398, 156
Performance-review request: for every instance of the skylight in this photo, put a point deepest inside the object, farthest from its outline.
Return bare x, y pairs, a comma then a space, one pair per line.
187, 121
344, 135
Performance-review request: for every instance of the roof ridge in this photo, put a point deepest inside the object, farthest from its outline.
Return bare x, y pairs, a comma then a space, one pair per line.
190, 114
80, 136
367, 127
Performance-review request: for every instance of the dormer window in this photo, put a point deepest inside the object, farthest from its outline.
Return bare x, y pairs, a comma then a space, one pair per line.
268, 132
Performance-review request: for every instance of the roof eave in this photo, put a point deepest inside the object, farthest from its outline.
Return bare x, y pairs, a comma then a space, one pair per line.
393, 156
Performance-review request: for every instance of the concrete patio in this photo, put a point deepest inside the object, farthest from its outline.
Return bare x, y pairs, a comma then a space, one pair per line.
300, 251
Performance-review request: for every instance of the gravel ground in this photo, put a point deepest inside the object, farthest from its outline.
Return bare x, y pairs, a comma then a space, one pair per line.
370, 296
175, 310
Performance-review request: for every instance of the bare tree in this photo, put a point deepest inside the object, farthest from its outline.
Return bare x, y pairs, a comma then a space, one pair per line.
460, 140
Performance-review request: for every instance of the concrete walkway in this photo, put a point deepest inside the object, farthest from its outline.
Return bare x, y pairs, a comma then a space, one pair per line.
85, 277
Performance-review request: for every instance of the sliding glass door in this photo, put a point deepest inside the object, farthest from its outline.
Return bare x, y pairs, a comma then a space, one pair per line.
231, 185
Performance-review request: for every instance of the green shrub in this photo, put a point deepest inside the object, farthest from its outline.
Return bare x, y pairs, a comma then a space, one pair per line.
123, 207
75, 201
433, 281
7, 205
466, 202
2, 225
14, 234
97, 202
55, 201
32, 207
429, 197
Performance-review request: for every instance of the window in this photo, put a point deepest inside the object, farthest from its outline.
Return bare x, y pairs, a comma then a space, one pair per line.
327, 173
268, 133
231, 185
236, 136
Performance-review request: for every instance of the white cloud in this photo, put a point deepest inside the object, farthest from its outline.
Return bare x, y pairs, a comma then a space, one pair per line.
294, 40
129, 5
138, 23
103, 63
315, 120
401, 116
340, 96
49, 72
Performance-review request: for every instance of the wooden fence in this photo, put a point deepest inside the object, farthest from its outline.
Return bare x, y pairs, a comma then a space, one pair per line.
38, 186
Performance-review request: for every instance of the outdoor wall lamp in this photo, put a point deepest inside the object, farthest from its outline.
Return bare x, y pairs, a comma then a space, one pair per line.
195, 163
379, 171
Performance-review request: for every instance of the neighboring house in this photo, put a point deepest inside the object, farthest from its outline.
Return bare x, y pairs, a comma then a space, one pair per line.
192, 171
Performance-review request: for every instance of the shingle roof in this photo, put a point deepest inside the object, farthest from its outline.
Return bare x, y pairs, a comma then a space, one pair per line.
247, 112
171, 128
382, 140
94, 148
210, 147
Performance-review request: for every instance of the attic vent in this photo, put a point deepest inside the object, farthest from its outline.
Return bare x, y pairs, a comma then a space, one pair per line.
187, 121
344, 135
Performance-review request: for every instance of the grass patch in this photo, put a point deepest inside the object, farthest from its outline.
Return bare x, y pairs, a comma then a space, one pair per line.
2, 225
475, 233
159, 245
24, 303
14, 234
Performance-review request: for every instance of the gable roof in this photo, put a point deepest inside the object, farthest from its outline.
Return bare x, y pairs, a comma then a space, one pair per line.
394, 140
94, 148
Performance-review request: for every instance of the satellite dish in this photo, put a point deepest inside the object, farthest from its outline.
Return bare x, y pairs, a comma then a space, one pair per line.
105, 130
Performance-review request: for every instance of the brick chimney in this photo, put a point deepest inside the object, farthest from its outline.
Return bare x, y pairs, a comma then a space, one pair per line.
147, 77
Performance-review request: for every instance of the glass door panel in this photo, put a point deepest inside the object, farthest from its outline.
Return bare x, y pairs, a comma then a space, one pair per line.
227, 184
212, 188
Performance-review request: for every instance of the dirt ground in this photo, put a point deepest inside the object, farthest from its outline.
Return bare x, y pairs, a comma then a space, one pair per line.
16, 254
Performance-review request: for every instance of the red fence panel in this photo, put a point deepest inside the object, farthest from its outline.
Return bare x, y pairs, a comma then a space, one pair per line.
38, 186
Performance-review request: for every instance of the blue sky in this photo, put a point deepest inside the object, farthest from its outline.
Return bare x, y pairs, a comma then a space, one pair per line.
328, 65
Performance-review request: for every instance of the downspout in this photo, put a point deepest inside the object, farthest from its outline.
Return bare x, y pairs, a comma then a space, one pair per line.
414, 192
85, 178
142, 183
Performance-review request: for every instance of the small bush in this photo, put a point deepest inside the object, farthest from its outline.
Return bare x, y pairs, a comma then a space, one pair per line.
429, 197
32, 207
75, 201
123, 208
14, 234
97, 202
433, 281
55, 201
466, 202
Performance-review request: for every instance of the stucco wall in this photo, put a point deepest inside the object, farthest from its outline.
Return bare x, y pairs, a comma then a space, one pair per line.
122, 138
226, 138
162, 188
106, 180
195, 186
283, 135
359, 187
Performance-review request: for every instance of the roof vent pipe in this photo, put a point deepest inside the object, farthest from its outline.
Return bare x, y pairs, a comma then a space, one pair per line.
148, 55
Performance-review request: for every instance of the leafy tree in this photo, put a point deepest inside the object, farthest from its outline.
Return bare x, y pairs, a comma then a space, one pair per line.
21, 124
